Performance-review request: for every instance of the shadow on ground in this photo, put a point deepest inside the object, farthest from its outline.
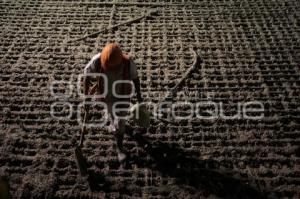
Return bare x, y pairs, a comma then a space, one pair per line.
189, 172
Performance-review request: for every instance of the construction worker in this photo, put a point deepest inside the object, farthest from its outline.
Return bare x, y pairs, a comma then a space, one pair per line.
115, 65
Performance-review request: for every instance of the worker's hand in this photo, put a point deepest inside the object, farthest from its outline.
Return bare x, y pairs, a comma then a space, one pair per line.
141, 115
142, 106
93, 89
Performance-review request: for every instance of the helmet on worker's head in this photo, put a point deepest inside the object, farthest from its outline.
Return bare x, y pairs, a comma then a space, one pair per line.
111, 57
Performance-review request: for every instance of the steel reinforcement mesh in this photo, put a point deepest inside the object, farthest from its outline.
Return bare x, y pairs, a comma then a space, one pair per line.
249, 52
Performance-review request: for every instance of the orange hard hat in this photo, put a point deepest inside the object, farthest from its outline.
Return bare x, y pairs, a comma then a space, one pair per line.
111, 57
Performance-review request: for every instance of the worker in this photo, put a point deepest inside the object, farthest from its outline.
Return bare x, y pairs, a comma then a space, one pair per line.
115, 65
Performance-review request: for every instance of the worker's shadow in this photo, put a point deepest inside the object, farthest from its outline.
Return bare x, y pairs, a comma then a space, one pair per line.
170, 160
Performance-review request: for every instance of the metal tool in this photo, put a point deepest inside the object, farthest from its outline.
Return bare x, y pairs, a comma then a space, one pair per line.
149, 14
173, 90
170, 95
80, 159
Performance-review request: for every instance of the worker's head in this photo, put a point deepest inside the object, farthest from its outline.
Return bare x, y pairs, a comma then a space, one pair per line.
111, 57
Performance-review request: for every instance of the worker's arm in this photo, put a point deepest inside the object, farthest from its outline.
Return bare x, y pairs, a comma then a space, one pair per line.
137, 86
89, 89
136, 81
91, 67
86, 85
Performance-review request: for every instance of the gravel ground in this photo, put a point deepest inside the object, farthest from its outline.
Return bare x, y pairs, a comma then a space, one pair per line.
249, 52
